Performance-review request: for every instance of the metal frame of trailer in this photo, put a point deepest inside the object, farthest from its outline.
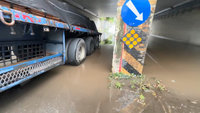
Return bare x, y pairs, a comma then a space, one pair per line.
33, 19
18, 73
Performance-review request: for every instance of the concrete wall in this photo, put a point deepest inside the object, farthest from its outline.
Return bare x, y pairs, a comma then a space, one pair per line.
183, 27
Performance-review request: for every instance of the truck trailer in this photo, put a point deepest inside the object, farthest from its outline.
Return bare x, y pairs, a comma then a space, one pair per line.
39, 35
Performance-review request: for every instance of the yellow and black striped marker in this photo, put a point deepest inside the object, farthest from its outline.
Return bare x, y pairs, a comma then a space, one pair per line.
135, 45
134, 51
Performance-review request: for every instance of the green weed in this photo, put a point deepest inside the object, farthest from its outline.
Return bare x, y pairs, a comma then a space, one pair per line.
142, 97
118, 85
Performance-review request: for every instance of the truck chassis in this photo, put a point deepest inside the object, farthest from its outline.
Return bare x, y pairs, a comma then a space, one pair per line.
31, 45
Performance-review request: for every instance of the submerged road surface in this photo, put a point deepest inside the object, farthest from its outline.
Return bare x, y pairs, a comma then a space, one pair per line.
176, 64
84, 89
66, 89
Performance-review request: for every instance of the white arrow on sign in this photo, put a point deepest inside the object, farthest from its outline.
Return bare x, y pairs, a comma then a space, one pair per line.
132, 7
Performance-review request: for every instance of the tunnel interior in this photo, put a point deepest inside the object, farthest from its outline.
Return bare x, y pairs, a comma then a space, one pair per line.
172, 56
173, 44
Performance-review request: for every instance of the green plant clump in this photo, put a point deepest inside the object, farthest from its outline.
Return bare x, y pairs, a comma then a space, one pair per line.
118, 85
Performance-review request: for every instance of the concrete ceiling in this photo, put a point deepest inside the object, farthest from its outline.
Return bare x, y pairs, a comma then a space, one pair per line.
108, 8
103, 8
163, 4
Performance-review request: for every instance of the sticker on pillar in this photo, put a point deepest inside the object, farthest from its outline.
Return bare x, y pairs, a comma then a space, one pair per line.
135, 12
132, 39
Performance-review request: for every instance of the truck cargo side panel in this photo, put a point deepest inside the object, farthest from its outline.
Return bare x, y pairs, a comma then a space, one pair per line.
62, 10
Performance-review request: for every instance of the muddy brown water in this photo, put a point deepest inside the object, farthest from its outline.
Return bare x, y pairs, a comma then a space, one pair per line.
65, 89
176, 64
84, 89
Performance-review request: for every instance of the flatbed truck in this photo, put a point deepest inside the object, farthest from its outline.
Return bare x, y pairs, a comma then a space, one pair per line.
32, 41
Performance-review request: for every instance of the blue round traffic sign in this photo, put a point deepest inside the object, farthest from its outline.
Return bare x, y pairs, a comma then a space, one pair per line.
135, 12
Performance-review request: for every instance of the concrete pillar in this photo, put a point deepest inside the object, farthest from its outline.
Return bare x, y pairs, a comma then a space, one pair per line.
131, 60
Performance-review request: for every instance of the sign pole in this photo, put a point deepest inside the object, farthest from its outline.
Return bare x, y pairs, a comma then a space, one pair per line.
138, 15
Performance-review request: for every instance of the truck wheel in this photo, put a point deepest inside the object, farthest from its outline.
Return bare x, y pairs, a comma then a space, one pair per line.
76, 51
89, 45
68, 42
96, 42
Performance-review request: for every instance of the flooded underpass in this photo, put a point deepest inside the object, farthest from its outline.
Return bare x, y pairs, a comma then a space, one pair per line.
176, 64
170, 79
85, 89
66, 89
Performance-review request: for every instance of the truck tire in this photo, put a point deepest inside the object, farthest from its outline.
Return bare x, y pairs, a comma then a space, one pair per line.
89, 45
76, 51
68, 42
96, 42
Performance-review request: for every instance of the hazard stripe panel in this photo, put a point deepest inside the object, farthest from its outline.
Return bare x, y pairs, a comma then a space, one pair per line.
133, 62
140, 47
136, 54
125, 71
129, 68
133, 58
